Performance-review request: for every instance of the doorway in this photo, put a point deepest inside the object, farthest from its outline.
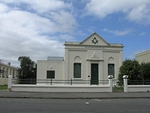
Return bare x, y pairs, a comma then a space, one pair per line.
94, 74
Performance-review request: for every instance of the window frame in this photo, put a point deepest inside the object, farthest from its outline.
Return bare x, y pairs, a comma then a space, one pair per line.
50, 76
74, 71
109, 73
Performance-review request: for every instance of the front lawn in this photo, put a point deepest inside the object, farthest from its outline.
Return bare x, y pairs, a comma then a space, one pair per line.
3, 87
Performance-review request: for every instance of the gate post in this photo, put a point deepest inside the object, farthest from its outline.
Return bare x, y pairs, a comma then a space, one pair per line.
110, 77
125, 82
9, 82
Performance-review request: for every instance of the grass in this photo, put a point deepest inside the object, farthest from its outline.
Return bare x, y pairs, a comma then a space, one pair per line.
3, 87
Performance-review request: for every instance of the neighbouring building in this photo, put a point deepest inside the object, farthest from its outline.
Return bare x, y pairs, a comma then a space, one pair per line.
5, 70
143, 57
91, 60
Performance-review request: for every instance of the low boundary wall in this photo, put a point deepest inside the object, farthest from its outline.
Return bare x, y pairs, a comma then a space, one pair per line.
138, 88
134, 88
60, 88
65, 88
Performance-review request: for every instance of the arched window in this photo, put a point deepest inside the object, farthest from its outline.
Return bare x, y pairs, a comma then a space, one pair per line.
111, 69
77, 67
111, 66
77, 70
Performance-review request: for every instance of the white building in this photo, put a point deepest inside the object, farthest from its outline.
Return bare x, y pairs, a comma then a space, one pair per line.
5, 70
143, 57
86, 62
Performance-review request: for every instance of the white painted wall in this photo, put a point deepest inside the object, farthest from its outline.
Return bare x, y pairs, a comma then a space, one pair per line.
44, 65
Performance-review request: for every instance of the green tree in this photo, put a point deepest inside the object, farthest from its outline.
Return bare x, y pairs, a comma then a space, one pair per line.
145, 71
130, 68
27, 68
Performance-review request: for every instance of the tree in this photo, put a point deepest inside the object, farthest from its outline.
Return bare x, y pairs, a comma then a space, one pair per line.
145, 71
1, 70
130, 68
27, 68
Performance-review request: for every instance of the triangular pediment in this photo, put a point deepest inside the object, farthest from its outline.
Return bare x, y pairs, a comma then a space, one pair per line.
94, 39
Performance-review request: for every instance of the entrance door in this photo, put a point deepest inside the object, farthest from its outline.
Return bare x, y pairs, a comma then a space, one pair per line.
94, 74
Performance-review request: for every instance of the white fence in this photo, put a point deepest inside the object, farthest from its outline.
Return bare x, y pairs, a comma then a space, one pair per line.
61, 87
134, 88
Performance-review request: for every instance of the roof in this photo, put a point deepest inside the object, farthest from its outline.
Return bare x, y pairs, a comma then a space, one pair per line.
93, 40
92, 35
143, 53
55, 58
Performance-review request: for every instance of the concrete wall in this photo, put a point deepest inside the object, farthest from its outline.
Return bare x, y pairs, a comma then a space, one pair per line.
138, 88
134, 88
61, 88
43, 66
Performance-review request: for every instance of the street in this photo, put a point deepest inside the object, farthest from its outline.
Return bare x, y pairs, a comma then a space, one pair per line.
16, 105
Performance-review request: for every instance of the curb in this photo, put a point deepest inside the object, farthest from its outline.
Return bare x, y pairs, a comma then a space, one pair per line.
75, 97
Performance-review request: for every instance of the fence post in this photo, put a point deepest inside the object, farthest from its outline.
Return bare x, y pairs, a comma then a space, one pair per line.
71, 81
51, 81
125, 82
110, 77
9, 82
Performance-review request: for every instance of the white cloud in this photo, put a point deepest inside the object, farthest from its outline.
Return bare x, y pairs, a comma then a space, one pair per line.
3, 8
118, 33
64, 20
39, 5
38, 35
136, 10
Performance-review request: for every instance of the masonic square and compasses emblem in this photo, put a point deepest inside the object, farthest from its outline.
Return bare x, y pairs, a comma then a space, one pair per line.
94, 41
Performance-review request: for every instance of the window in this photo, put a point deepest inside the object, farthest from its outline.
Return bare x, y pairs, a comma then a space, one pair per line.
77, 70
111, 69
51, 74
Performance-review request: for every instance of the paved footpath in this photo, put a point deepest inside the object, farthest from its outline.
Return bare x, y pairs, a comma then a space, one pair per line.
42, 95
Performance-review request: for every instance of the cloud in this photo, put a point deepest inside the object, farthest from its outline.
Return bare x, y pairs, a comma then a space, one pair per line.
3, 8
38, 5
138, 11
118, 33
61, 19
38, 33
142, 34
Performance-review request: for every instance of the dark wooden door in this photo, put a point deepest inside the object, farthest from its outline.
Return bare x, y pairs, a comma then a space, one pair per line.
94, 74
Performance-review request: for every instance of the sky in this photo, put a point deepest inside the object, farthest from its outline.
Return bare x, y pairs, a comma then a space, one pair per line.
39, 28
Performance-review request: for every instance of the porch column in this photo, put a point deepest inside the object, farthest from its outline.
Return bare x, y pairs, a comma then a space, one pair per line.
125, 82
110, 77
9, 82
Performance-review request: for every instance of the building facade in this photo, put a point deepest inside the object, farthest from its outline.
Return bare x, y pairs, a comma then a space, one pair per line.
5, 70
143, 57
91, 60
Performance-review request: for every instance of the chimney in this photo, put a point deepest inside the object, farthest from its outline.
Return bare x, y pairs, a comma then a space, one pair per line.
9, 63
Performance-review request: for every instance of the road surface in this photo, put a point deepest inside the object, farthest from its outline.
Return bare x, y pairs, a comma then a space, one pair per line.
16, 105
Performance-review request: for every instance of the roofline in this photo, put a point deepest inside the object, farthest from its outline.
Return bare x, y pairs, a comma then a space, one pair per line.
119, 46
92, 35
144, 52
8, 65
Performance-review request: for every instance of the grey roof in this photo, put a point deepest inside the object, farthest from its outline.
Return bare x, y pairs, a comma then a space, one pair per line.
55, 58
